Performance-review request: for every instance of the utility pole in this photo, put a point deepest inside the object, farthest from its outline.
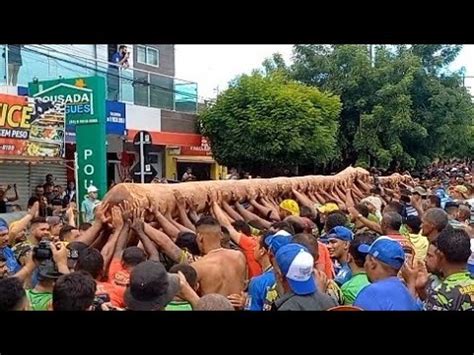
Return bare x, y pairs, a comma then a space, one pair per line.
372, 55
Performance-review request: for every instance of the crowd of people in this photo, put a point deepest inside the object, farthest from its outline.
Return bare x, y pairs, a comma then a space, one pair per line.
366, 247
53, 198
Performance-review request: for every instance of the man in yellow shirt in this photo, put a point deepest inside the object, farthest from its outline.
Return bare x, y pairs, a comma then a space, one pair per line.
420, 242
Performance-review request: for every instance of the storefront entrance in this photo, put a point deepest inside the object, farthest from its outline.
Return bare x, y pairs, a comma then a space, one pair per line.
202, 171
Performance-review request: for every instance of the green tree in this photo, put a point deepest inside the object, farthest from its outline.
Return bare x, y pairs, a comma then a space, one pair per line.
262, 122
403, 111
344, 70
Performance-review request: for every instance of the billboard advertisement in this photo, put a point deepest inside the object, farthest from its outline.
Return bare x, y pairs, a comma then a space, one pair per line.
31, 127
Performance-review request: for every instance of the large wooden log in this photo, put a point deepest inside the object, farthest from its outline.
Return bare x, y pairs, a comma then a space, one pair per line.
163, 196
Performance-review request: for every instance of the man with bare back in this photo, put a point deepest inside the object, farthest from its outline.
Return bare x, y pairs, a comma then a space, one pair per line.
220, 270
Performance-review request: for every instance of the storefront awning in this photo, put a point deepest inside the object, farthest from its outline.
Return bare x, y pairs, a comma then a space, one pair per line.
32, 160
170, 138
194, 159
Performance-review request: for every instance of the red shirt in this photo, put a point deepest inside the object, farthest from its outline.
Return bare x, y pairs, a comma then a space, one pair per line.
324, 262
115, 293
248, 244
118, 275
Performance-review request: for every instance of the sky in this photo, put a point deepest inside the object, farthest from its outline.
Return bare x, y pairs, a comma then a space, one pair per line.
213, 66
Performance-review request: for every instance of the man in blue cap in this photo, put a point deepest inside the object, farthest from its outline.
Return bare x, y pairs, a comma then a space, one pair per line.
271, 292
12, 264
339, 239
295, 272
385, 257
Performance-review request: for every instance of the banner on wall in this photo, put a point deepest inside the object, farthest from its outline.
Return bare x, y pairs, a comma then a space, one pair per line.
31, 127
203, 150
115, 121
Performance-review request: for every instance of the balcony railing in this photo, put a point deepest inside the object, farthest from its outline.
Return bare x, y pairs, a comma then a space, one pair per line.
140, 87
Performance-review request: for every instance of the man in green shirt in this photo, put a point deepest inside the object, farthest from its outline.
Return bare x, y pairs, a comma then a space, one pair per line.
41, 297
359, 280
177, 304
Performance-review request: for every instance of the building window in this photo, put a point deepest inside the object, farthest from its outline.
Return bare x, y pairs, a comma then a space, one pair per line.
148, 55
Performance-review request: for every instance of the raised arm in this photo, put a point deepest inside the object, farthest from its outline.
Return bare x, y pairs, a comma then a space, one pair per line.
26, 271
22, 224
93, 232
182, 228
249, 216
70, 214
349, 199
265, 211
168, 227
364, 188
318, 194
138, 227
357, 192
368, 223
12, 199
340, 193
231, 212
165, 243
224, 221
183, 216
109, 247
303, 199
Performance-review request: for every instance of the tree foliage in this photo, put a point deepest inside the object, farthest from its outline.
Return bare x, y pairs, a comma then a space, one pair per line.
267, 121
403, 111
400, 109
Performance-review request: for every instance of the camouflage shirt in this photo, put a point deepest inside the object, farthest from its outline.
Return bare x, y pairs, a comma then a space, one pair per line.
455, 293
332, 290
270, 298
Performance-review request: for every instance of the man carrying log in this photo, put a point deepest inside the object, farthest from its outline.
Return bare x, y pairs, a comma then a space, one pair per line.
212, 276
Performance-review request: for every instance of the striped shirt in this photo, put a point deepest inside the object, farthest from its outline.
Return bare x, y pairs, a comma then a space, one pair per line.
410, 210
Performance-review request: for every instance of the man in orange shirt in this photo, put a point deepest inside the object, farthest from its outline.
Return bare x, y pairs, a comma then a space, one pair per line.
240, 234
324, 262
91, 261
120, 268
247, 244
306, 225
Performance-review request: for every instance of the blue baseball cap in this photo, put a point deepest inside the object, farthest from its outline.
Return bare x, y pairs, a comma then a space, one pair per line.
3, 225
277, 240
387, 250
440, 193
297, 265
341, 233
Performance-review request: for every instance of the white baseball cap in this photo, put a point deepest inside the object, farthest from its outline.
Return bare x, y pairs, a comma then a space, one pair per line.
92, 188
296, 263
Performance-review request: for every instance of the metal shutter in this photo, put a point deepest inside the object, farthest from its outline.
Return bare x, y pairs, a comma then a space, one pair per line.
38, 174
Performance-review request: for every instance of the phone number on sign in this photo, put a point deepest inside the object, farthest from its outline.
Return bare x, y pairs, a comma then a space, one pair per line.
7, 147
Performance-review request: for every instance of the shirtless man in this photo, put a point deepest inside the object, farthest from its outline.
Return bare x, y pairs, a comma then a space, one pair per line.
220, 270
